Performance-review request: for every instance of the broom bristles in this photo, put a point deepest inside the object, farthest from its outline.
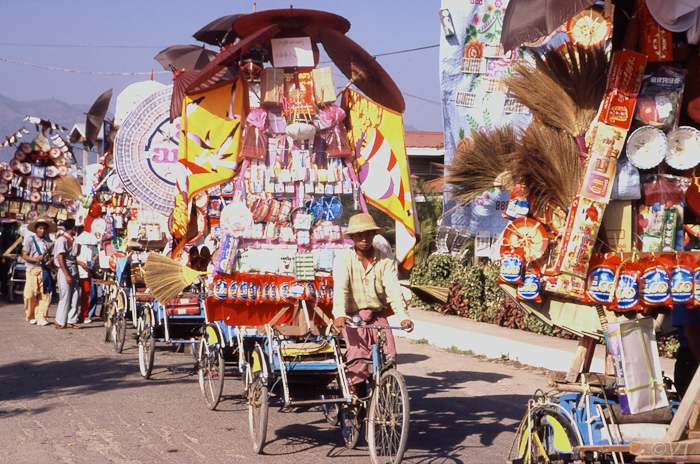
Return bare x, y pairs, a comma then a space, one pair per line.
548, 165
68, 188
167, 278
479, 162
543, 96
580, 72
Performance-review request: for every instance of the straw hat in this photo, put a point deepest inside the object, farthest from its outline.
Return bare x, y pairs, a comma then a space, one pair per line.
42, 220
361, 223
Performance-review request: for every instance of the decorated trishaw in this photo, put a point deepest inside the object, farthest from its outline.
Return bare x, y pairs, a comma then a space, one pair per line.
269, 167
600, 233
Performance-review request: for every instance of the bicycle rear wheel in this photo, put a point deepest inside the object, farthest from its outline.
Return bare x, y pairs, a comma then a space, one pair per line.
387, 425
551, 437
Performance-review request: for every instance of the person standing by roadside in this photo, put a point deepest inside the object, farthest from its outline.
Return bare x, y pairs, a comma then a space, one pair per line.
87, 245
65, 252
38, 286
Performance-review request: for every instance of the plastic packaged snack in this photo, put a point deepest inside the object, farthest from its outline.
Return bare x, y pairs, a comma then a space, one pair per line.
627, 289
659, 100
600, 284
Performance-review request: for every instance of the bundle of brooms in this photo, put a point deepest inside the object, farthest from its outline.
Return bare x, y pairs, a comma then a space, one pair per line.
481, 163
68, 188
166, 278
563, 90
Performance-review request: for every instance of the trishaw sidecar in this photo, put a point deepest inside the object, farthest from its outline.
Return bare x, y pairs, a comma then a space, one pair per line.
179, 322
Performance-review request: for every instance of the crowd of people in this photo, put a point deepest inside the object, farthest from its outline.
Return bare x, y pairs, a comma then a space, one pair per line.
65, 262
63, 258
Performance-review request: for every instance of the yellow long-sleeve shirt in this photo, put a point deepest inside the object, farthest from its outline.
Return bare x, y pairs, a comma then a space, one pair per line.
355, 287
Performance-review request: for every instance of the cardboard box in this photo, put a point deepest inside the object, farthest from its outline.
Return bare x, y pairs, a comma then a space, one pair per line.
617, 109
654, 41
324, 88
565, 286
618, 223
606, 140
626, 72
272, 86
576, 248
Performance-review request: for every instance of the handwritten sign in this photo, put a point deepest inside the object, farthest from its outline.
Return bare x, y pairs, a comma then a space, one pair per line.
292, 52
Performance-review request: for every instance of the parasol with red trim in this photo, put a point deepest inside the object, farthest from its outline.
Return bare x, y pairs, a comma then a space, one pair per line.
292, 22
218, 69
181, 81
362, 69
184, 57
219, 32
95, 117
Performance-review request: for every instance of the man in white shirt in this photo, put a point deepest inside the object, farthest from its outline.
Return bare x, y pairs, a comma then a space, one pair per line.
65, 252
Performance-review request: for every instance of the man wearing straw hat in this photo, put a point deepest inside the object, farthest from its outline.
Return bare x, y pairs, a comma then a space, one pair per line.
365, 283
38, 286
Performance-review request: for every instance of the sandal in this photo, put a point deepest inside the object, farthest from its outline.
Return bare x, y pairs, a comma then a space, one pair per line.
58, 326
72, 326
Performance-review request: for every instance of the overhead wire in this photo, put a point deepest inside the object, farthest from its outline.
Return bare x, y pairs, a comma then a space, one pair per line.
52, 68
85, 72
147, 73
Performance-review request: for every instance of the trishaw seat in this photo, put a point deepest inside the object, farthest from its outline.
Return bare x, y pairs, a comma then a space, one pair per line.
306, 349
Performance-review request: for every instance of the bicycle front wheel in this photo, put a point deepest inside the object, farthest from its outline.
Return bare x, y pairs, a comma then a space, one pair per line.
119, 322
389, 413
257, 412
147, 346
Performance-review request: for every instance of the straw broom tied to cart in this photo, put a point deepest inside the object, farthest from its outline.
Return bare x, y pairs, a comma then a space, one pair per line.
166, 278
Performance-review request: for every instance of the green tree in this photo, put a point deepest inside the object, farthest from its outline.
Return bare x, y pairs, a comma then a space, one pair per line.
429, 212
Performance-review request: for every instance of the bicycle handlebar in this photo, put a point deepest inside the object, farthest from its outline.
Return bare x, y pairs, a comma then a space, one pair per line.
355, 325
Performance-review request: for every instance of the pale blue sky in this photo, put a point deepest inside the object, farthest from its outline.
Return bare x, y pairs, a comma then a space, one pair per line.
123, 36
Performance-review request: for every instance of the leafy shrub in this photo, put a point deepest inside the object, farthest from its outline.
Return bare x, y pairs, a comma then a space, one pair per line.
474, 293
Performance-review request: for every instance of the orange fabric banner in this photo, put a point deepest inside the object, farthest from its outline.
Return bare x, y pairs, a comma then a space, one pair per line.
376, 134
210, 144
211, 138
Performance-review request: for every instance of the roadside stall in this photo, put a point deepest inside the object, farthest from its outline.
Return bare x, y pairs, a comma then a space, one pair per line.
601, 233
27, 184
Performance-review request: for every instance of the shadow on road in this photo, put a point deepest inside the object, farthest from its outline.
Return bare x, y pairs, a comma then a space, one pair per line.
80, 377
440, 423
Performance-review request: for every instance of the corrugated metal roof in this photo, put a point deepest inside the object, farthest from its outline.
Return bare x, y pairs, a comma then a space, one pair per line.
418, 139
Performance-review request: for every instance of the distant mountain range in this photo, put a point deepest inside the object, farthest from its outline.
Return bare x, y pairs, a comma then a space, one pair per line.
13, 112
